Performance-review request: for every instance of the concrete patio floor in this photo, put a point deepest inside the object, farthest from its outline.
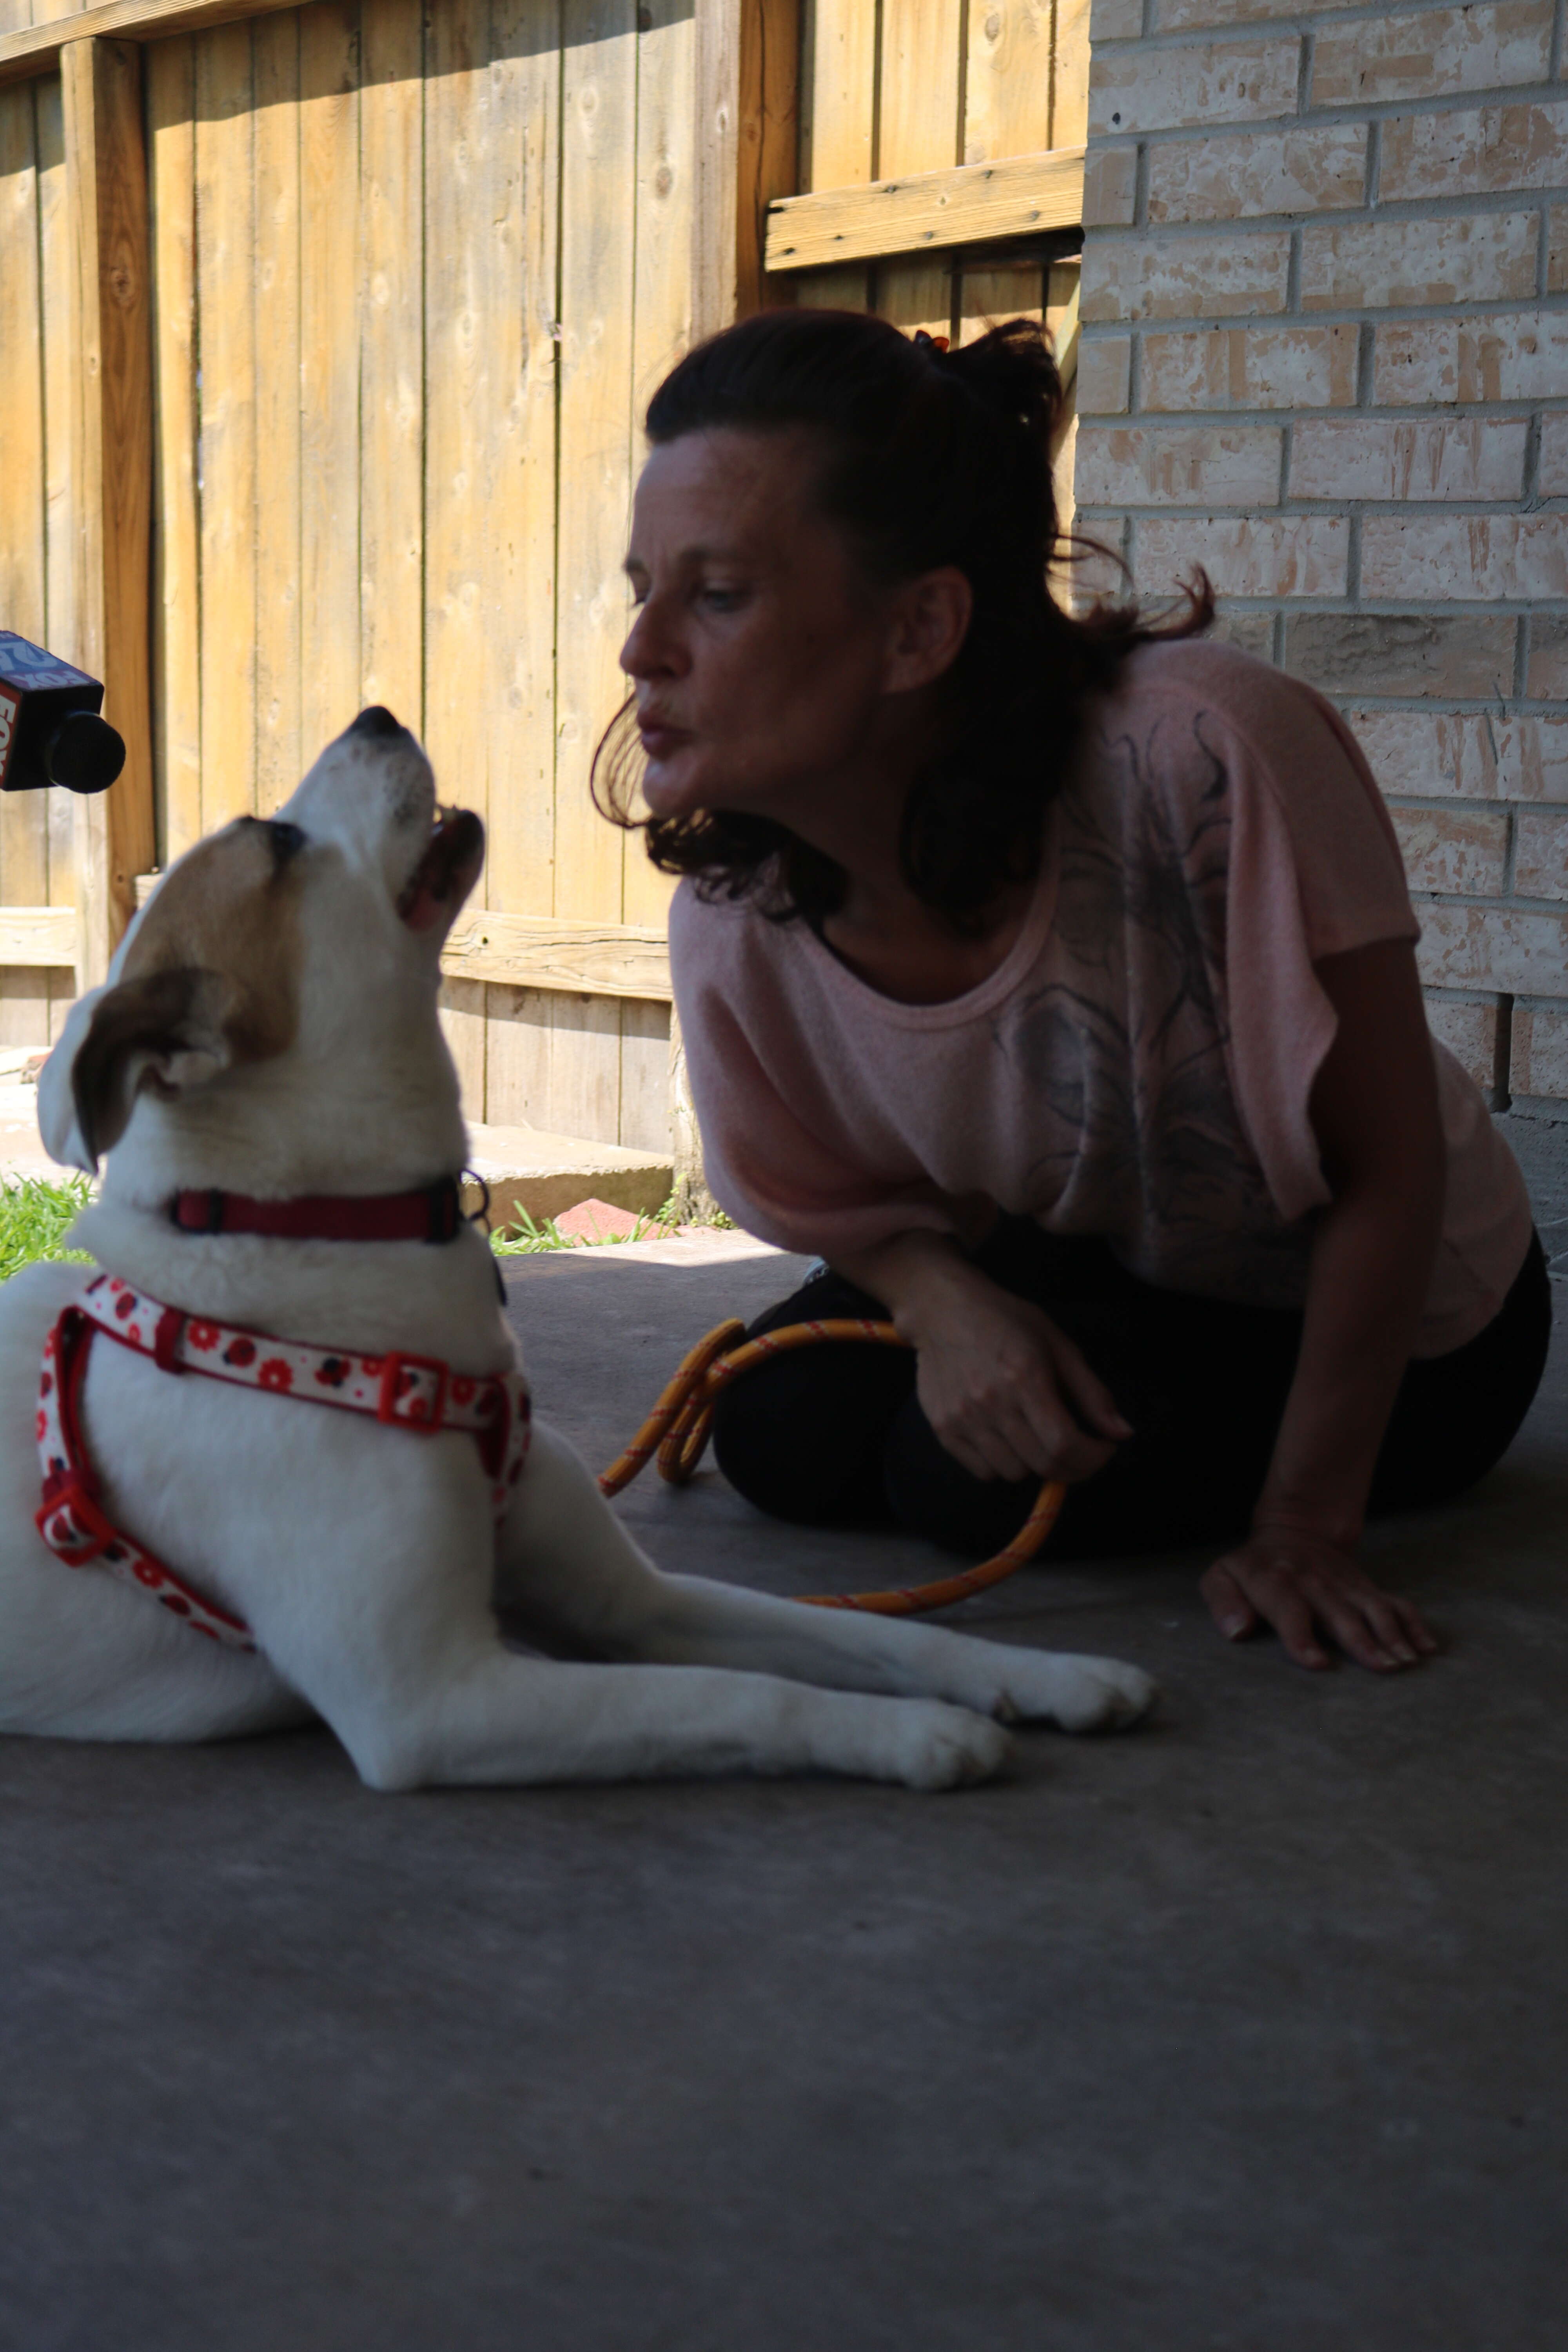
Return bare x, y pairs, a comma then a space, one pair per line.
1245, 2032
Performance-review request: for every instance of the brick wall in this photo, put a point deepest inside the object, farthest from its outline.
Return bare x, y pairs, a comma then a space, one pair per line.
1325, 354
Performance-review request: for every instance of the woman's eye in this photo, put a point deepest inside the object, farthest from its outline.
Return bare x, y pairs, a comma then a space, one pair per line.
724, 600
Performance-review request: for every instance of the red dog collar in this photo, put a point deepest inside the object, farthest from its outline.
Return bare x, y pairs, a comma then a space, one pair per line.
434, 1213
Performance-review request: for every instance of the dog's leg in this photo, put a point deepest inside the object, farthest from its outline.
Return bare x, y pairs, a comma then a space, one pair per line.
394, 1641
501, 1719
567, 1562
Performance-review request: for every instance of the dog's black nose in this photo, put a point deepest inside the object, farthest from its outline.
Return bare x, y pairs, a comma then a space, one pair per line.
376, 720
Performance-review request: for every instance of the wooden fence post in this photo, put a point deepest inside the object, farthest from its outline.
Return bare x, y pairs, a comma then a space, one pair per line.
112, 449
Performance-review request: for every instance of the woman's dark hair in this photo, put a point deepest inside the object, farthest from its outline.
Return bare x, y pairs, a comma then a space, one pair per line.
930, 458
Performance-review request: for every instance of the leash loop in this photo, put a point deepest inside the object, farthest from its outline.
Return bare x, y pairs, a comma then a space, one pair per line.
677, 1431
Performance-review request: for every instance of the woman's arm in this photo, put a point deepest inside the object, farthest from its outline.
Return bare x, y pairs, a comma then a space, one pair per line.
1375, 1112
1005, 1390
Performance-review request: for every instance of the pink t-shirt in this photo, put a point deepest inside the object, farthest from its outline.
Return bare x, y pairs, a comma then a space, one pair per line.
1140, 1065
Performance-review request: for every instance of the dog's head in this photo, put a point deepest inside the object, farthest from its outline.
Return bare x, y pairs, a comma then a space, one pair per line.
305, 946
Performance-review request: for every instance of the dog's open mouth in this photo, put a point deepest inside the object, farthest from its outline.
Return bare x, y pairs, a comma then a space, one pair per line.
447, 872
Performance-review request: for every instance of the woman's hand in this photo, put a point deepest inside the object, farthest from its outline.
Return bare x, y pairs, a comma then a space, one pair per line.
1008, 1395
1306, 1586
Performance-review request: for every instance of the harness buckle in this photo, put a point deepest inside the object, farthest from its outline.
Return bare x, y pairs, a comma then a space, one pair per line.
413, 1392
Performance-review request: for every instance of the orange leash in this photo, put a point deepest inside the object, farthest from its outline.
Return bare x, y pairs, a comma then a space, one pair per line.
677, 1429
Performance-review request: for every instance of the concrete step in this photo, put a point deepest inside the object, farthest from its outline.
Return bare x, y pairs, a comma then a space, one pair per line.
529, 1169
525, 1167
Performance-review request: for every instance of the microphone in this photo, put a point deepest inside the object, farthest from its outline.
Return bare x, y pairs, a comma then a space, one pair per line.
50, 731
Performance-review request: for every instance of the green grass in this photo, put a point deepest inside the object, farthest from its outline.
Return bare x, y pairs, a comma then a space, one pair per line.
35, 1214
525, 1239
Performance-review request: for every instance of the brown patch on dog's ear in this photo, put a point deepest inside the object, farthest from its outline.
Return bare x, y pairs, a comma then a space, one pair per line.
164, 1031
231, 908
210, 980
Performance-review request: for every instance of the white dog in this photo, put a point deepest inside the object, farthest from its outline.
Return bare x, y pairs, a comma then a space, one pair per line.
269, 1036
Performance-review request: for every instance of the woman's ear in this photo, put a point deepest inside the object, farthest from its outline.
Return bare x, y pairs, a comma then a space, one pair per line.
930, 620
164, 1031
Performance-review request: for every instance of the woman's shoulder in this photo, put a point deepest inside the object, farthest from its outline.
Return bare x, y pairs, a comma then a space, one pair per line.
727, 944
1197, 712
1240, 688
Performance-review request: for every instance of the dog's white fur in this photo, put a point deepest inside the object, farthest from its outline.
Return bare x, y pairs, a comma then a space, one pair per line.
366, 1558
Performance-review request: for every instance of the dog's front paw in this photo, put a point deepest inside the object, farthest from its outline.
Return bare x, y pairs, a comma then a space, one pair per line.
941, 1746
1074, 1694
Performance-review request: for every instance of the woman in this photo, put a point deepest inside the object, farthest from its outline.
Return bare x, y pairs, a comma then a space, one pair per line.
1053, 978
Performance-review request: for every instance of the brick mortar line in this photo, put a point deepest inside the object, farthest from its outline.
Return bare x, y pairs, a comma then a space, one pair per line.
1488, 901
1459, 706
1340, 114
1340, 607
1301, 507
1264, 420
1347, 315
1482, 203
1506, 308
1430, 805
1441, 412
1224, 33
1348, 111
1285, 20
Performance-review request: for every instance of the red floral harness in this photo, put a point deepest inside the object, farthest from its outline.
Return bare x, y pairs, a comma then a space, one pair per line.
414, 1393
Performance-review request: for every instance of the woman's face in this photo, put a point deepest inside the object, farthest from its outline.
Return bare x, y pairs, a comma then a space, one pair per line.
762, 656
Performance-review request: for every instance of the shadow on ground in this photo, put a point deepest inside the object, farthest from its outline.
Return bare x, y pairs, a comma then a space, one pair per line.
1244, 2032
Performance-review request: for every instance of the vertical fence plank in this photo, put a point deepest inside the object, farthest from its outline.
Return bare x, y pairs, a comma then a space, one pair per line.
463, 1024
585, 1096
767, 161
1007, 105
915, 294
518, 265
918, 83
24, 834
56, 281
598, 163
1070, 74
170, 68
456, 394
644, 1076
112, 450
919, 76
392, 359
23, 828
518, 1038
1061, 295
518, 506
226, 246
329, 373
998, 290
598, 141
665, 128
837, 145
280, 642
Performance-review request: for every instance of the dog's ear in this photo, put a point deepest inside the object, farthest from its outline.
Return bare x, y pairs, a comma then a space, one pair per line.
164, 1031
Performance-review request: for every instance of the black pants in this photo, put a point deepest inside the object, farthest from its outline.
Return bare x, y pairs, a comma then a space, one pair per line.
834, 1435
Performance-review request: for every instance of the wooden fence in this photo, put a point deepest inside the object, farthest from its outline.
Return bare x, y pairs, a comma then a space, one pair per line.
325, 334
